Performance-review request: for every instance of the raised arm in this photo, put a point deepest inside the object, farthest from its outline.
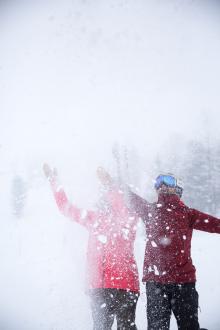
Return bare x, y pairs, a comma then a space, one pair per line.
85, 218
136, 203
139, 205
204, 222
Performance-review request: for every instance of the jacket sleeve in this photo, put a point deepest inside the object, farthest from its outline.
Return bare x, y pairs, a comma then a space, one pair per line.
204, 222
139, 205
83, 217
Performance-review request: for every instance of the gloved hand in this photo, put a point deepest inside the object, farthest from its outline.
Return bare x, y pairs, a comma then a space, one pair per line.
104, 176
49, 173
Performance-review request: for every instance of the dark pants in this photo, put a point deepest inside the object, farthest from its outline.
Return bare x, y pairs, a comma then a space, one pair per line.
181, 299
107, 304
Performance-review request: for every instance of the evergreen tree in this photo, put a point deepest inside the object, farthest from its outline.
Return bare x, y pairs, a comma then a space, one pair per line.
18, 195
197, 176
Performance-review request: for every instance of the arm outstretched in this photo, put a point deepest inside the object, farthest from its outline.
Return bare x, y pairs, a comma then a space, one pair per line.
204, 222
85, 218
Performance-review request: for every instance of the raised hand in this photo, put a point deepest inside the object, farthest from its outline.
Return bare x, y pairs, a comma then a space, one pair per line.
104, 176
47, 170
49, 173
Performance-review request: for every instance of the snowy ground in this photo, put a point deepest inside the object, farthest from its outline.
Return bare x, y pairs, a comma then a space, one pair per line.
43, 265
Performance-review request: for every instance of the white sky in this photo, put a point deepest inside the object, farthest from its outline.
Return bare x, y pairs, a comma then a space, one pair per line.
81, 74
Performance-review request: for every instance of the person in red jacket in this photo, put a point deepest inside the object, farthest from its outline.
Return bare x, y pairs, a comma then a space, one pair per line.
112, 274
168, 271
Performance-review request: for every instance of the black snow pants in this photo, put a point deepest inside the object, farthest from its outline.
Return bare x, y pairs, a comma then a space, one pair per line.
181, 299
107, 304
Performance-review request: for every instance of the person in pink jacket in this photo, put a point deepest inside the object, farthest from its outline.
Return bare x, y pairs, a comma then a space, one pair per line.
112, 274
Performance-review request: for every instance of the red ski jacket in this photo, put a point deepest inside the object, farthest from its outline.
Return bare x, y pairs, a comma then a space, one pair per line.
169, 227
110, 254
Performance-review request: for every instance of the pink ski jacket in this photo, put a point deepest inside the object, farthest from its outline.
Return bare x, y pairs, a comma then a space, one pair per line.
110, 253
169, 227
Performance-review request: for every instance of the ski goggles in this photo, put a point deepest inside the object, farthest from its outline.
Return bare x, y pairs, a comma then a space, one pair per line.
168, 180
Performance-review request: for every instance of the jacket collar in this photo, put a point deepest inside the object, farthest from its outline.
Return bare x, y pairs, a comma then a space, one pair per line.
168, 199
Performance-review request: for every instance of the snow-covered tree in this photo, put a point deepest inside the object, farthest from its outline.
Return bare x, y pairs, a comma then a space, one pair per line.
18, 192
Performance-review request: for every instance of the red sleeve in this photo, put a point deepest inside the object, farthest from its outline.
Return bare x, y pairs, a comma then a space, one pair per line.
204, 222
139, 205
83, 217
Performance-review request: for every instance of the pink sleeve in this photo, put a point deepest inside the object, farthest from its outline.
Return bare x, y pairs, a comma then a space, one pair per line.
204, 222
83, 217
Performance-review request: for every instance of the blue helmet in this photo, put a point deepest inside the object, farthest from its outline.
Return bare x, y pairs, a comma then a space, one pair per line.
171, 181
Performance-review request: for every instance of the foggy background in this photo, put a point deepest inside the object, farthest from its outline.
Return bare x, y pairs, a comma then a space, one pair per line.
78, 79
